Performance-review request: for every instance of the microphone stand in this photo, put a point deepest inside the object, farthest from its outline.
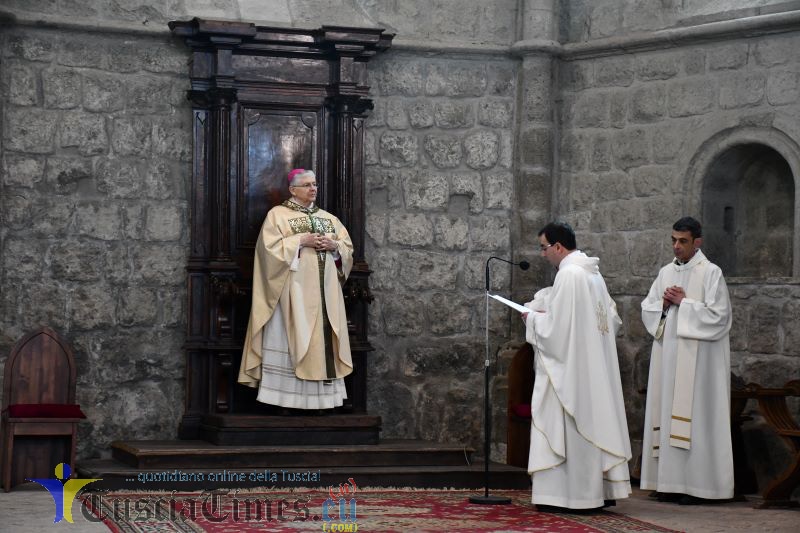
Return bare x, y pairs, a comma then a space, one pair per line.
486, 499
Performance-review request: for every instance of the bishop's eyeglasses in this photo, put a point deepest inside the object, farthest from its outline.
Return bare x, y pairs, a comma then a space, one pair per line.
306, 185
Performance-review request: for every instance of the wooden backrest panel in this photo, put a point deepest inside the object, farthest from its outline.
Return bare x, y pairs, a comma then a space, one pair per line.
40, 369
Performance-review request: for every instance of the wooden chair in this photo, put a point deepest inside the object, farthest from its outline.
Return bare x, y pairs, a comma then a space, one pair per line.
39, 417
520, 389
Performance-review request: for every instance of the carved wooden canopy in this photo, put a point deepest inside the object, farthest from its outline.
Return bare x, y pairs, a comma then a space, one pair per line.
266, 100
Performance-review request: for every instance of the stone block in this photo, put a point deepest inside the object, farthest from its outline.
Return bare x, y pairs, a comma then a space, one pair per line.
575, 75
163, 180
385, 264
137, 306
153, 94
420, 270
501, 79
117, 264
124, 56
790, 316
647, 104
694, 61
84, 53
20, 84
534, 186
104, 92
618, 109
783, 87
401, 78
385, 187
396, 118
738, 334
456, 78
410, 230
450, 233
649, 251
468, 184
536, 147
765, 317
46, 217
537, 99
612, 186
98, 221
450, 313
631, 148
398, 149
614, 260
376, 228
498, 188
590, 110
443, 150
420, 114
691, 97
76, 260
776, 50
573, 151
443, 358
28, 130
92, 306
453, 114
770, 371
426, 190
616, 71
48, 307
657, 65
172, 139
583, 189
85, 131
405, 316
397, 406
159, 264
118, 179
655, 180
600, 159
370, 148
169, 57
31, 45
62, 88
22, 171
606, 20
727, 56
488, 233
742, 90
134, 221
64, 174
482, 149
23, 259
670, 139
495, 113
171, 302
164, 223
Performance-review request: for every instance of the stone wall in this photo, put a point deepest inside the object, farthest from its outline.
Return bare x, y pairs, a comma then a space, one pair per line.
95, 163
638, 132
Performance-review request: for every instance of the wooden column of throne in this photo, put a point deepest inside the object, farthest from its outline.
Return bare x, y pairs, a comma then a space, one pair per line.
266, 100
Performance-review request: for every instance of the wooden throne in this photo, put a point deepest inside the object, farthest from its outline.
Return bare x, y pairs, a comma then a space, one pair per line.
266, 100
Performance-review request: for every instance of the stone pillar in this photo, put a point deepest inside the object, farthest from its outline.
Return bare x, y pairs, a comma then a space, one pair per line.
536, 134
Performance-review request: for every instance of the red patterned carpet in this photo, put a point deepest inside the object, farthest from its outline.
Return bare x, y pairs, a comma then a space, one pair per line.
364, 510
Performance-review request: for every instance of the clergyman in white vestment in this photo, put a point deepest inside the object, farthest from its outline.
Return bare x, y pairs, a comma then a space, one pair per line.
580, 445
686, 451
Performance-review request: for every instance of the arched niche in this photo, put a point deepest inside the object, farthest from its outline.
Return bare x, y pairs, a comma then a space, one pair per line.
743, 184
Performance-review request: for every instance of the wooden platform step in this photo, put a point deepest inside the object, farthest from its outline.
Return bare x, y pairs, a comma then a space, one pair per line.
202, 454
117, 476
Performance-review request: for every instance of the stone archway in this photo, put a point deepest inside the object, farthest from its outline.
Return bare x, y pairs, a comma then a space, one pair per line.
744, 184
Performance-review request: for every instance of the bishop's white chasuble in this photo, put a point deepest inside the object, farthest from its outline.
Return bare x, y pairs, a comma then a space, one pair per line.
297, 347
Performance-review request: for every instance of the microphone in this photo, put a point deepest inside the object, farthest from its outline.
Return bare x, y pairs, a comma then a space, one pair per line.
523, 265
